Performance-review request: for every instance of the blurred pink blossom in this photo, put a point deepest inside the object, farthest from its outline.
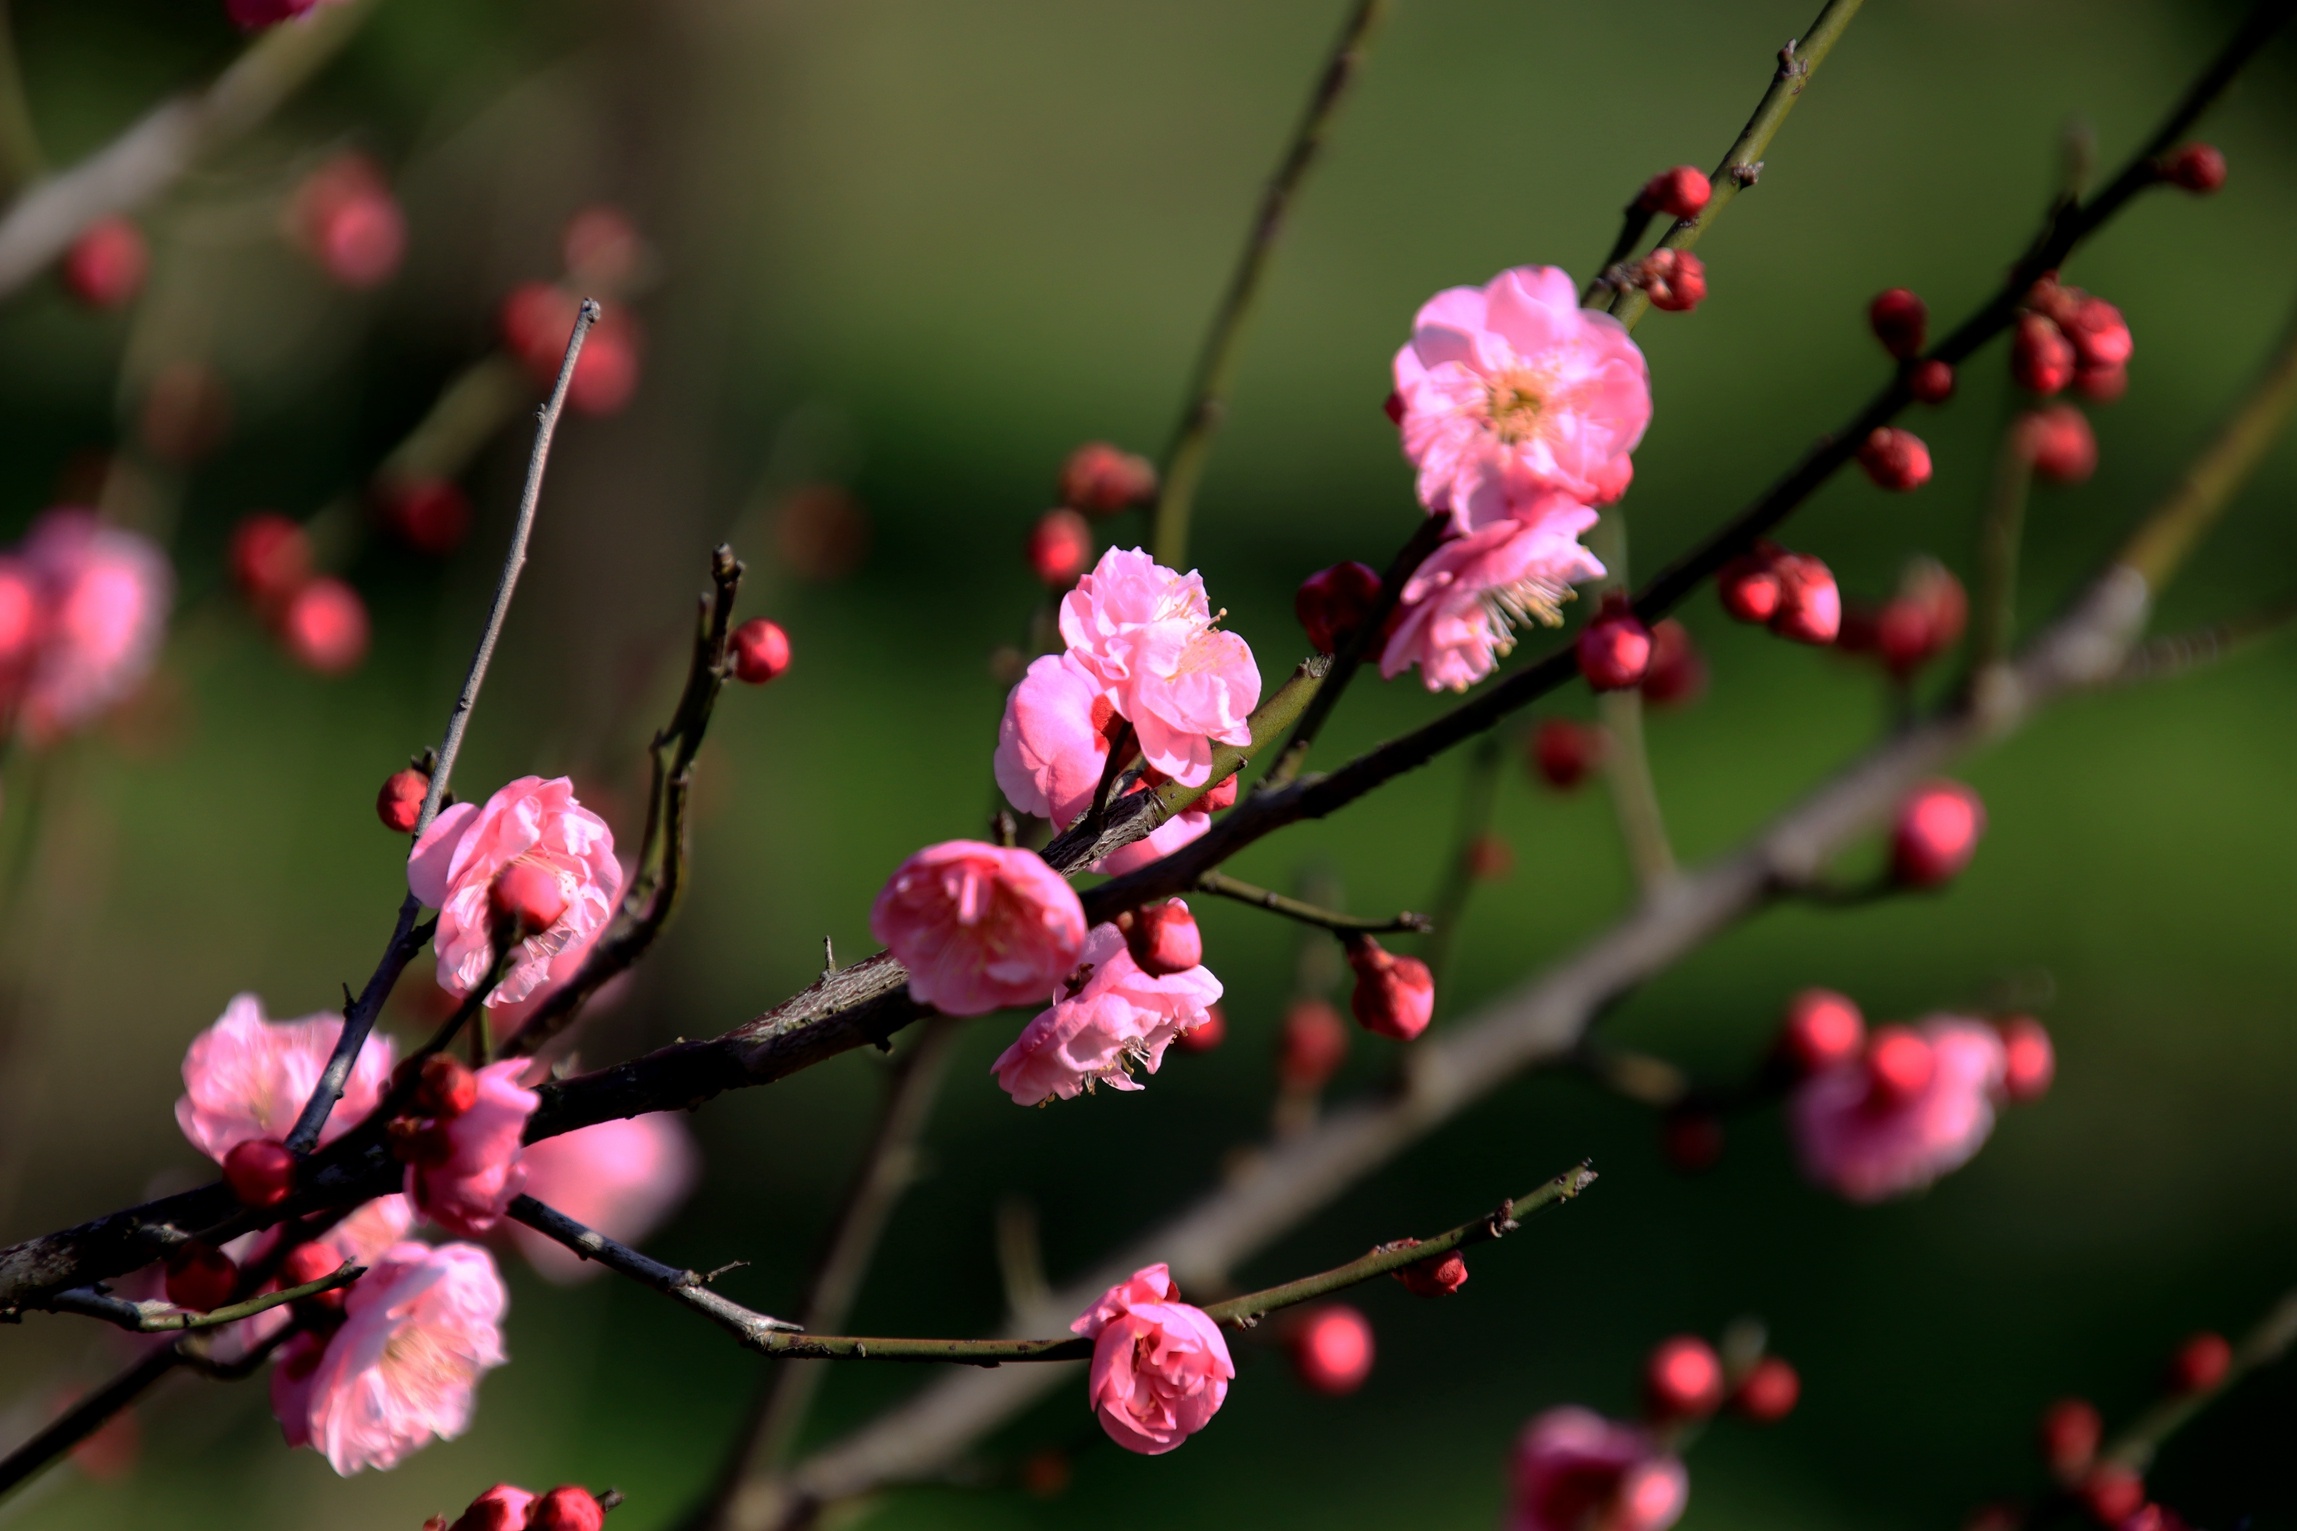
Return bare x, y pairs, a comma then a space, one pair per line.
467, 1190
454, 865
246, 1077
979, 926
104, 596
1574, 1469
1870, 1144
1160, 1367
1147, 634
1460, 609
1118, 1017
419, 1329
1512, 391
621, 1177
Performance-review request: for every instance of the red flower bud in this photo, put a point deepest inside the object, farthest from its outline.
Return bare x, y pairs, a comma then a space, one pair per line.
1931, 381
1683, 1379
2098, 333
1615, 648
1677, 673
309, 1262
761, 651
430, 515
1936, 833
2059, 442
1488, 858
347, 219
1900, 1064
2101, 385
501, 1508
1332, 1349
1682, 192
1901, 321
2031, 1061
400, 803
106, 265
1394, 996
1393, 407
528, 896
1164, 939
1810, 604
1822, 1029
566, 1508
2042, 359
1895, 459
1692, 1139
2199, 168
1436, 1276
325, 627
2111, 1492
1768, 1392
201, 1277
260, 1172
270, 559
448, 1088
1221, 794
1923, 620
1311, 1046
1206, 1034
1675, 279
1564, 752
1060, 548
2070, 1431
1332, 603
1749, 589
2200, 1363
1101, 480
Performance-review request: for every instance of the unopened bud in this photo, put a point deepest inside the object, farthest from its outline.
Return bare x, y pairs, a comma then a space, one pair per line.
2059, 442
2199, 168
1164, 939
1901, 321
260, 1172
1810, 603
1100, 479
1900, 1063
1488, 858
1331, 1349
1931, 381
447, 1087
1896, 460
1393, 407
2112, 1492
201, 1277
1565, 752
1768, 1392
1206, 1034
1436, 1276
270, 559
307, 1263
325, 627
2042, 359
1682, 192
2069, 1435
1675, 279
1822, 1029
1332, 603
1394, 996
430, 515
528, 896
1683, 1379
502, 1508
2030, 1062
761, 651
566, 1508
1936, 833
2200, 1364
1615, 648
2098, 333
106, 265
400, 803
1312, 1045
1749, 588
1677, 673
2101, 385
1060, 548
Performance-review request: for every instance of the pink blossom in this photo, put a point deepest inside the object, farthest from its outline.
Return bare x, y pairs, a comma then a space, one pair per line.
468, 1188
246, 1077
1117, 1017
357, 1240
1862, 1143
621, 1177
418, 1331
1576, 1470
1053, 743
1147, 634
979, 926
454, 865
1160, 1367
104, 596
1460, 609
1514, 391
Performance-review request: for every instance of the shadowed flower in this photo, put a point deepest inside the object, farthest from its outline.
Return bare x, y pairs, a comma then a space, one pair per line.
104, 596
468, 1186
246, 1077
979, 926
1461, 607
621, 1177
1118, 1017
1160, 1367
1867, 1131
1147, 634
1577, 1471
1053, 743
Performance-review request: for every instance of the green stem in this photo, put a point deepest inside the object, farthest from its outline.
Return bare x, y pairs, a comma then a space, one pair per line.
1225, 886
1627, 769
1998, 539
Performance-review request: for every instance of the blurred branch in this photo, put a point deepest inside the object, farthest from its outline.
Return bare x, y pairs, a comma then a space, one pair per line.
2264, 1345
2178, 654
1627, 768
1998, 538
20, 156
1215, 369
1221, 884
477, 402
1479, 792
168, 140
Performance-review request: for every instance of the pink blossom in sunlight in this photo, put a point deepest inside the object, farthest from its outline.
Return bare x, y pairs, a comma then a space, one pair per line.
1512, 391
621, 1177
1161, 1368
979, 926
1870, 1136
246, 1077
454, 865
104, 597
1147, 634
1116, 1018
466, 1188
1575, 1469
1460, 609
419, 1329
1053, 743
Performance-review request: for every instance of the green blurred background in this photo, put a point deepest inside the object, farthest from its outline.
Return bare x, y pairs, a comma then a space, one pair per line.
920, 250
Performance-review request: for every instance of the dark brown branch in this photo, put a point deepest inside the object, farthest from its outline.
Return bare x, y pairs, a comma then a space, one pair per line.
680, 1286
1225, 886
162, 1318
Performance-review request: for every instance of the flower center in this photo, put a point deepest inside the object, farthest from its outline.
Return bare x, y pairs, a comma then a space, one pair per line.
1516, 399
1530, 599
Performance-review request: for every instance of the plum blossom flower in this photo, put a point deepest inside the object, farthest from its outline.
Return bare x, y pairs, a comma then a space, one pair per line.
454, 865
620, 1177
1869, 1144
1512, 390
1459, 610
1116, 1017
1160, 1367
1574, 1470
104, 597
419, 1329
1147, 634
357, 1240
1053, 743
979, 926
470, 1182
246, 1077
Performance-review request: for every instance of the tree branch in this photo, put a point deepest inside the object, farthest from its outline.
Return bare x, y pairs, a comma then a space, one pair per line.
164, 1318
1225, 886
680, 1286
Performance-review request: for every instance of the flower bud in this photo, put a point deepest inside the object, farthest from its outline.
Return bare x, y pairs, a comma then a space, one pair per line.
2200, 1363
566, 1508
1677, 674
2198, 168
1822, 1029
309, 1262
419, 1141
1100, 479
1931, 381
1206, 1034
1393, 407
1748, 587
2042, 359
260, 1172
1332, 603
1900, 1064
1312, 1045
761, 651
1810, 604
1768, 1392
1060, 547
2111, 1492
1675, 279
2098, 333
1488, 858
1895, 459
400, 803
501, 1508
1394, 996
2069, 1434
1901, 321
1691, 1138
430, 515
2101, 385
201, 1277
1683, 1379
325, 627
1682, 192
1164, 939
350, 223
1332, 1349
1564, 752
1436, 1276
2030, 1063
106, 265
1936, 833
528, 896
2058, 441
447, 1087
1221, 794
270, 559
1615, 648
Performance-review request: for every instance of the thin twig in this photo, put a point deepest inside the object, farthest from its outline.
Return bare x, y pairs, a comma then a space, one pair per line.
2266, 1344
163, 1318
1479, 793
681, 1286
1627, 766
1225, 886
2177, 654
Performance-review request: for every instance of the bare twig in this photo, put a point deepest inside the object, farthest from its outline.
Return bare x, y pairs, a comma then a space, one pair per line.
2264, 1345
1243, 892
1479, 792
680, 1286
164, 1318
2178, 654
